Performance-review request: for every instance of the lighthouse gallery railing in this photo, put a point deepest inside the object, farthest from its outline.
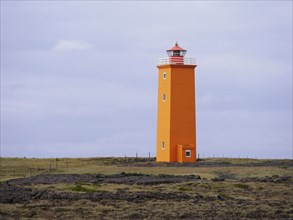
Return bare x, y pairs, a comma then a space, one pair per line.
177, 60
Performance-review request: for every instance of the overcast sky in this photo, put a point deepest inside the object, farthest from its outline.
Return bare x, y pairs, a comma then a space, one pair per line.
79, 79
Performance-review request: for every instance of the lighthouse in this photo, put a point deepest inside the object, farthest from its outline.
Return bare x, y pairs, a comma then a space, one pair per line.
176, 118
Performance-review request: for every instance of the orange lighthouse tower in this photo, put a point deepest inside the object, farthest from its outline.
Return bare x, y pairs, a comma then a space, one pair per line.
176, 131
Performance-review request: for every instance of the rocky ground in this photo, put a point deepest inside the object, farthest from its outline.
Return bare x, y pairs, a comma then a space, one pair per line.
150, 162
136, 196
133, 188
121, 178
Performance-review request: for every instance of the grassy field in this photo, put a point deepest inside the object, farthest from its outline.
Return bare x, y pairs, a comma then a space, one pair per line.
228, 188
26, 167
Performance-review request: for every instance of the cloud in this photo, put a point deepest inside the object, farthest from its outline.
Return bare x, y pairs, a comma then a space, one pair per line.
69, 45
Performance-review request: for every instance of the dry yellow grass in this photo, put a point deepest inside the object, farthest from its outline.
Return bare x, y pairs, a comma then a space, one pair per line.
25, 167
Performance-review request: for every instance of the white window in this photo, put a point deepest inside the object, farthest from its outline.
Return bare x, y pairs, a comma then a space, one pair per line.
188, 153
163, 145
164, 97
164, 75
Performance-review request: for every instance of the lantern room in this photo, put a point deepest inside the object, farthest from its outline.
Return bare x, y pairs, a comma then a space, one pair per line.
176, 56
176, 51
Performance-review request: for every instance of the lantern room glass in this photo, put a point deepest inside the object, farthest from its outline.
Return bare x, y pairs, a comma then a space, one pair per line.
176, 53
182, 53
170, 53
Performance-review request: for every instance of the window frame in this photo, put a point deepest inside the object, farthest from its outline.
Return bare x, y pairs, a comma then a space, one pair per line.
163, 145
164, 75
187, 151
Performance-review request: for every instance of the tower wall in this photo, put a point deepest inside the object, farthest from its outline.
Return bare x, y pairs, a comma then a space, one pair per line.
176, 115
164, 114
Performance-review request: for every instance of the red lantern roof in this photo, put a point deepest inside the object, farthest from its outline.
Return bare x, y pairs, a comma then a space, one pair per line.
176, 47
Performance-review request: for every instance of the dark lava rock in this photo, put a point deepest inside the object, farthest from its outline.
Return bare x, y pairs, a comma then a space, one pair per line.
15, 194
218, 179
121, 178
272, 179
220, 197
